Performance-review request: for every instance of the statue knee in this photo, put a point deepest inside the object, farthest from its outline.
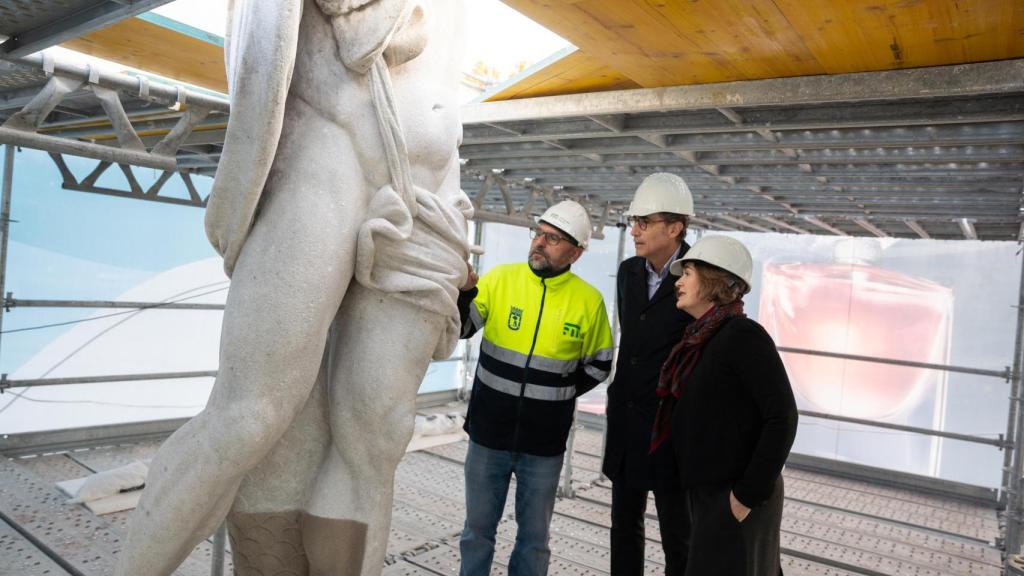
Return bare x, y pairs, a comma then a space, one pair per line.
378, 440
249, 430
399, 423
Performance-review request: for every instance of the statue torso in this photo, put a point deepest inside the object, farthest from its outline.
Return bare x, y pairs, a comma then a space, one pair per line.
326, 96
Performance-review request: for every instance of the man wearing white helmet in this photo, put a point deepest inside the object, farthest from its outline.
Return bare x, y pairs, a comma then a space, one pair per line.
650, 325
546, 341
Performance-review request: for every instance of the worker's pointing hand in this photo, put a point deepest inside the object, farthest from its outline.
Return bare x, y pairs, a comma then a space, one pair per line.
471, 278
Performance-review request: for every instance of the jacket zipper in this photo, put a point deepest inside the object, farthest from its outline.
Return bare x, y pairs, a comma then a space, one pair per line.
526, 368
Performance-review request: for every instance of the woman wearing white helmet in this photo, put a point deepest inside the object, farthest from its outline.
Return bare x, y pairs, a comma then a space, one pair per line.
728, 407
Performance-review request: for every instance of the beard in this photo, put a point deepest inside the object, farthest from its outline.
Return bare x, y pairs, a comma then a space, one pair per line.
539, 262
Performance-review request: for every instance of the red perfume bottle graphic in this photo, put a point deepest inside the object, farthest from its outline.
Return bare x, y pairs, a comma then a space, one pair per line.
850, 306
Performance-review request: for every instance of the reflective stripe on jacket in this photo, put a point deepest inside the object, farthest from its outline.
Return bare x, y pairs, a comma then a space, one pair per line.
545, 342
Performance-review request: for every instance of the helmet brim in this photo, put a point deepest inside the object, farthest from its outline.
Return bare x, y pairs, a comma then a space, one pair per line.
639, 212
676, 268
570, 237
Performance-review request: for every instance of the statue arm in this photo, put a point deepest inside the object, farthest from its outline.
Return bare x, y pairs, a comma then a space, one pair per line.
260, 52
365, 29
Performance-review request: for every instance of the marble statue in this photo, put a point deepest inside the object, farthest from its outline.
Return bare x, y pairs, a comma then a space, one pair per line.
340, 163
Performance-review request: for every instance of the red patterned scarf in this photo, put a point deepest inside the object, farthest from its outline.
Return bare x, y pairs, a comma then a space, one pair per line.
676, 370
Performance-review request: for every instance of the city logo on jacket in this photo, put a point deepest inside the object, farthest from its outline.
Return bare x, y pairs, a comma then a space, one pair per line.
515, 318
571, 330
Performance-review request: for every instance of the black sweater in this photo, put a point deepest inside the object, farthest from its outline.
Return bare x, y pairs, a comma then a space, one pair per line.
736, 418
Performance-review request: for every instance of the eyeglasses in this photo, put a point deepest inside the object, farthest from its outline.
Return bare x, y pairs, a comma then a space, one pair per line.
550, 238
642, 222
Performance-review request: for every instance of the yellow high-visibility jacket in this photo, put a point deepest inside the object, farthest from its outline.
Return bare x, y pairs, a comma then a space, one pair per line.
545, 342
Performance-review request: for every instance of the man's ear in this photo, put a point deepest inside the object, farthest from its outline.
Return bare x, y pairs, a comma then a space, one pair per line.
677, 229
577, 252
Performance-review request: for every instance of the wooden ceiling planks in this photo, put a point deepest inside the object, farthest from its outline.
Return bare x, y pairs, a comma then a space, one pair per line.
575, 71
161, 46
859, 36
658, 43
625, 44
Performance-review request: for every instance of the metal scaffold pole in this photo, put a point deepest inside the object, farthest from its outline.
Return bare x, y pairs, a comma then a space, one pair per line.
5, 223
619, 257
1015, 457
1015, 392
220, 539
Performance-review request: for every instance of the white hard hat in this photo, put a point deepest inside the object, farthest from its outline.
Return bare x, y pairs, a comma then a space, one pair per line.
727, 253
661, 192
571, 218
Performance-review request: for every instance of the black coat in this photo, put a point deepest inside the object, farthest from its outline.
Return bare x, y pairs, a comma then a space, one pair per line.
736, 418
649, 330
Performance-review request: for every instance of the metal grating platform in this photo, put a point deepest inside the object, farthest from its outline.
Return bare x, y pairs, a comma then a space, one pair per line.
831, 526
22, 557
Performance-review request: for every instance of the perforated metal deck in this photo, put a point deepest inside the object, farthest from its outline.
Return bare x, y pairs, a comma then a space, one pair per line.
831, 526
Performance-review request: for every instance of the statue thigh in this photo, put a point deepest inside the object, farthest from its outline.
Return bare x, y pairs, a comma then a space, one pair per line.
331, 474
383, 347
299, 257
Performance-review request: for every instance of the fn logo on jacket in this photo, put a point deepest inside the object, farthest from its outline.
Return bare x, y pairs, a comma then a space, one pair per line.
571, 330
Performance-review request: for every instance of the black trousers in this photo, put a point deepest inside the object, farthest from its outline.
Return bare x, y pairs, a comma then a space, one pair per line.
722, 546
627, 537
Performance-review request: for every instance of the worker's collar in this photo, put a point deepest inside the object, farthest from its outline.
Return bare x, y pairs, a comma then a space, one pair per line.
550, 275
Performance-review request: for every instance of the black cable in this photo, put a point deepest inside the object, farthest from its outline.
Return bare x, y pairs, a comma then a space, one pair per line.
100, 403
21, 396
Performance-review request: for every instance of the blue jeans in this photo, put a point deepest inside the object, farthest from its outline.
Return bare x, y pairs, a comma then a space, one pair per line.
488, 473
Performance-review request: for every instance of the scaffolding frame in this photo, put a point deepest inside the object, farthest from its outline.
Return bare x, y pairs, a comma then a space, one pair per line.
16, 444
513, 167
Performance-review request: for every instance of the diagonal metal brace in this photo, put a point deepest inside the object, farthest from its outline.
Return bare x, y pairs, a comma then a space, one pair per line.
176, 137
111, 102
32, 115
510, 207
485, 187
129, 176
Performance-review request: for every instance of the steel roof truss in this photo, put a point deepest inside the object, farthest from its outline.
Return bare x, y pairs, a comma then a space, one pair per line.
783, 224
863, 223
982, 79
708, 223
135, 190
873, 115
31, 116
24, 127
967, 226
825, 225
789, 143
742, 222
74, 25
917, 228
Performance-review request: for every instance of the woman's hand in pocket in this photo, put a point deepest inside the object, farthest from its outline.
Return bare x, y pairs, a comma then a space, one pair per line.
739, 511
